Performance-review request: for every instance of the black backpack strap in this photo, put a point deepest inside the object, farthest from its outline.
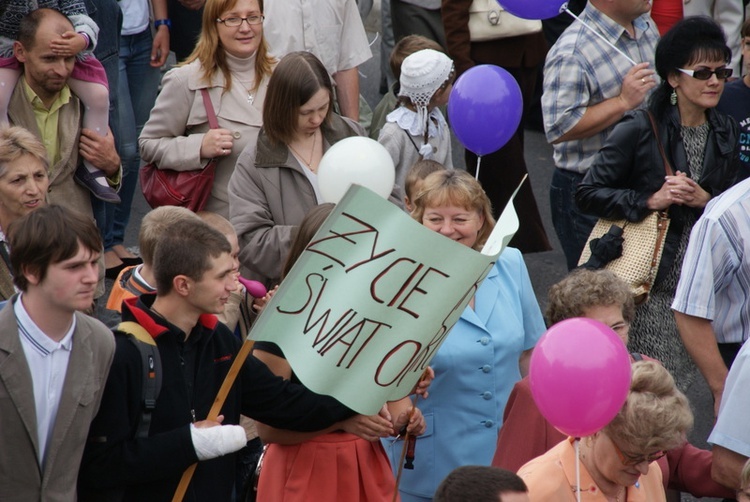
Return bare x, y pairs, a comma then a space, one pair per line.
636, 356
151, 369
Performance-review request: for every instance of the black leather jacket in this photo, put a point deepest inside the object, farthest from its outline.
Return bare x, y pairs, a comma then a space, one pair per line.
629, 169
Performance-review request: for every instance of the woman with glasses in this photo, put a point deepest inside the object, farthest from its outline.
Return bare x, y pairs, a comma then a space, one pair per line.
618, 463
628, 179
231, 61
526, 434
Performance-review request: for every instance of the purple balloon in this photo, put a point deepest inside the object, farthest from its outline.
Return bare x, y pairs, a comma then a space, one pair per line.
579, 376
485, 108
533, 9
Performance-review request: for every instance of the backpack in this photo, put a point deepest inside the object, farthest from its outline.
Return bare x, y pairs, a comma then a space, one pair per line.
151, 370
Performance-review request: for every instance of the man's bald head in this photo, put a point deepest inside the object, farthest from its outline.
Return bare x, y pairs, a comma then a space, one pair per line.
31, 23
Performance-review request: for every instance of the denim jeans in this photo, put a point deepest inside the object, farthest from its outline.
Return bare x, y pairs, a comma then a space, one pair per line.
571, 225
137, 89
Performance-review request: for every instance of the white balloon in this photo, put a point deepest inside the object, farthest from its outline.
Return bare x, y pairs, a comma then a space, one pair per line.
356, 160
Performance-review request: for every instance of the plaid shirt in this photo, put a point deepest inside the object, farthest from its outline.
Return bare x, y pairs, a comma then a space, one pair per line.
581, 70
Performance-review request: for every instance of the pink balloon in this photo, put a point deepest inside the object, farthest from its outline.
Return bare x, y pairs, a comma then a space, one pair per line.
579, 376
255, 288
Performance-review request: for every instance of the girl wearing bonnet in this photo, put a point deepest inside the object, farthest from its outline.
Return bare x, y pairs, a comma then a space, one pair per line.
417, 129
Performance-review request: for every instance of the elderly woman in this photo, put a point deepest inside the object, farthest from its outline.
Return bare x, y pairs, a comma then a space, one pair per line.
23, 188
618, 463
231, 61
627, 178
275, 183
485, 353
526, 434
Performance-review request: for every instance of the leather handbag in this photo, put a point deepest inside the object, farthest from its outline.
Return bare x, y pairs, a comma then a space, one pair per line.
489, 21
643, 242
189, 189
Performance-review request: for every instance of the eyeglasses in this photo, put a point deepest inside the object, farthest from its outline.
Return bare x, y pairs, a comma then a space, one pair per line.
234, 22
630, 460
705, 73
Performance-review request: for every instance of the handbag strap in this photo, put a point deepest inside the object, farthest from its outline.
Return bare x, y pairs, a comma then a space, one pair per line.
667, 167
212, 122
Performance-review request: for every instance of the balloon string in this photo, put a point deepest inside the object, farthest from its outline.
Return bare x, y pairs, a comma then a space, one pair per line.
479, 161
578, 468
600, 36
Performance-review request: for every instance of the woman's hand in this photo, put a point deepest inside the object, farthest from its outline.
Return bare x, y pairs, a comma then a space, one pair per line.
217, 143
686, 191
370, 428
415, 425
678, 189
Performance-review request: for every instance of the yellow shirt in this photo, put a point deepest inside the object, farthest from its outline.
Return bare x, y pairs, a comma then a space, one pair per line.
552, 478
47, 119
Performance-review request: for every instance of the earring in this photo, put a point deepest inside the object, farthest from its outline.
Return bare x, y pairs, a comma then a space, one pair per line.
673, 98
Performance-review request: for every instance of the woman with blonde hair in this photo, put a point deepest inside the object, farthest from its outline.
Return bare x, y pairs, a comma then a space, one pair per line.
23, 188
618, 463
484, 354
231, 61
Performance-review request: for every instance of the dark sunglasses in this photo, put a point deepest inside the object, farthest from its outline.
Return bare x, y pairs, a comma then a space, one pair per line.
705, 73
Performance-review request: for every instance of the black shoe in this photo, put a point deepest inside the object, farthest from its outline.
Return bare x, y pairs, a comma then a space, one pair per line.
130, 262
112, 273
88, 180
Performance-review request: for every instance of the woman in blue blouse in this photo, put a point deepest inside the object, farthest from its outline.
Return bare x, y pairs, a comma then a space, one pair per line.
486, 352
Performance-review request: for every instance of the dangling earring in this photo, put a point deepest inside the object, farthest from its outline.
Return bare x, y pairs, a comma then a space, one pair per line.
673, 97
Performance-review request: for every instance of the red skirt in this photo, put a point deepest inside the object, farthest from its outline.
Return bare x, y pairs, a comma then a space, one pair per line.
335, 467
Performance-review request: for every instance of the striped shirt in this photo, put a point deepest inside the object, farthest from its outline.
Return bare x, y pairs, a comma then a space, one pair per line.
581, 70
715, 279
48, 362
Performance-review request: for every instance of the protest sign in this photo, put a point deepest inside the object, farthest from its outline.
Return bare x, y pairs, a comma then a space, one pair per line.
369, 302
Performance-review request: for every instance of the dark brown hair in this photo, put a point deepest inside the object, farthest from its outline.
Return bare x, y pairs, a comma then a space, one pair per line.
186, 248
296, 79
478, 483
304, 233
29, 26
46, 236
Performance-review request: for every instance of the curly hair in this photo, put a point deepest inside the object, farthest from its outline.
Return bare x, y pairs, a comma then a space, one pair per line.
656, 416
583, 289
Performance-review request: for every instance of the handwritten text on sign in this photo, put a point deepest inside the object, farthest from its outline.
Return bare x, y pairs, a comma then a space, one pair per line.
369, 302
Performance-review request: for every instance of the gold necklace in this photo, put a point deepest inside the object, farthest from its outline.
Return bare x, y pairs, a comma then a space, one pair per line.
308, 163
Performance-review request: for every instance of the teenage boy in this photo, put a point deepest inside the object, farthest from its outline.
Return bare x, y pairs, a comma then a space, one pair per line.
53, 359
195, 275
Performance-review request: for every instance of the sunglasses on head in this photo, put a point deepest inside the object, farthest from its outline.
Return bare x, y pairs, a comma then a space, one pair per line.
705, 73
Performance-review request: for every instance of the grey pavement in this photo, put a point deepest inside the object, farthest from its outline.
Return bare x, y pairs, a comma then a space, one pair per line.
544, 268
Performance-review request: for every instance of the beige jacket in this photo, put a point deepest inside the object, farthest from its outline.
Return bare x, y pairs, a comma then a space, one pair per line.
21, 477
173, 134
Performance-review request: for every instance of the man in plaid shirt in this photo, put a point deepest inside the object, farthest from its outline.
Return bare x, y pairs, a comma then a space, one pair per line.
588, 87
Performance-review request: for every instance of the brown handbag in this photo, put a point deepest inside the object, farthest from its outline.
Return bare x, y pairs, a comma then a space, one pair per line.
190, 189
643, 242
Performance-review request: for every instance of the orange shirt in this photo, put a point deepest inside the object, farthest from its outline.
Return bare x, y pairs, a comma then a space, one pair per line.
553, 477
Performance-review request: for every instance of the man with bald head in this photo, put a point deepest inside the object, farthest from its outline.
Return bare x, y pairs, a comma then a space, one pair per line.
43, 103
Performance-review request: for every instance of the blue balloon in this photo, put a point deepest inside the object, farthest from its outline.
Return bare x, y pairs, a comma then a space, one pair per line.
485, 108
533, 9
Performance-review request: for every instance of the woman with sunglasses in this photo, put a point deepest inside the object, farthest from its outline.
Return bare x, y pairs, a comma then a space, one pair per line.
627, 178
232, 62
618, 463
